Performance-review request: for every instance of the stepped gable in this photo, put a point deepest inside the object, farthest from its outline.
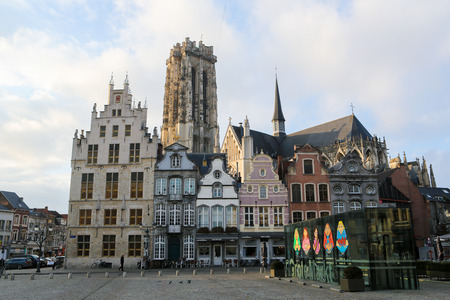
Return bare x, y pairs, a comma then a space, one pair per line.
325, 134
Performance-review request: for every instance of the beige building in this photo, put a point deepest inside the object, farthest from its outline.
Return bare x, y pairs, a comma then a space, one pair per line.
111, 190
190, 98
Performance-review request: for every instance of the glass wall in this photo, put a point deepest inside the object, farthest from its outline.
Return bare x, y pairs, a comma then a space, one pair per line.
377, 240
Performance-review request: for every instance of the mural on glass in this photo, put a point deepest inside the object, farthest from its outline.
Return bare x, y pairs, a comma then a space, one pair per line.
316, 242
328, 242
341, 238
306, 243
297, 243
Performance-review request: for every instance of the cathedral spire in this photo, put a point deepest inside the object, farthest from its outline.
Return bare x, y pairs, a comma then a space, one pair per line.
433, 180
278, 118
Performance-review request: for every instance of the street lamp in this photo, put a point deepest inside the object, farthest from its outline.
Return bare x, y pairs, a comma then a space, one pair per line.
41, 235
146, 242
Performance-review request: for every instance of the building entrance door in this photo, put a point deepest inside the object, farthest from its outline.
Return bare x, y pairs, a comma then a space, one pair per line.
217, 254
174, 248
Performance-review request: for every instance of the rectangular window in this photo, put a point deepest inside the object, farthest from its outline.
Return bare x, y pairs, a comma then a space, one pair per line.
87, 185
278, 216
160, 243
161, 186
83, 242
119, 112
16, 219
231, 216
2, 224
231, 250
113, 154
296, 193
189, 186
24, 220
324, 214
263, 217
134, 245
308, 167
114, 112
250, 249
203, 216
85, 217
297, 216
127, 130
189, 214
112, 186
175, 186
203, 249
263, 192
135, 152
309, 193
102, 131
175, 214
92, 154
248, 217
188, 247
311, 215
217, 216
278, 248
109, 245
135, 216
115, 131
137, 185
110, 217
160, 214
323, 193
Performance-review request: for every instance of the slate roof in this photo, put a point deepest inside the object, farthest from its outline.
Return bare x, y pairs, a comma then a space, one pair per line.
198, 159
320, 136
14, 200
3, 207
432, 193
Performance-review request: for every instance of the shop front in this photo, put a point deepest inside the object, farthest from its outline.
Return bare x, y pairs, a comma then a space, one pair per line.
260, 249
217, 250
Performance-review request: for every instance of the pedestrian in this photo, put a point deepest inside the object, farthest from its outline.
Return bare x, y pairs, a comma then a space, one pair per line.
122, 260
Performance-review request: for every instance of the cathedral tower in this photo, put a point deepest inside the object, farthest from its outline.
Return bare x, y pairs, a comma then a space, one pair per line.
190, 98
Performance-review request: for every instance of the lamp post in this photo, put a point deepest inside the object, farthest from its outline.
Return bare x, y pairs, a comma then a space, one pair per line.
41, 235
146, 242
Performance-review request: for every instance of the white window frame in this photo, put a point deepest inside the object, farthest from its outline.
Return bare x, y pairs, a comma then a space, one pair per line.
217, 213
249, 216
354, 188
189, 214
175, 214
338, 206
312, 166
217, 190
297, 211
175, 161
263, 214
278, 216
355, 205
161, 186
188, 247
160, 214
203, 216
263, 192
175, 186
189, 186
371, 202
311, 211
231, 216
159, 247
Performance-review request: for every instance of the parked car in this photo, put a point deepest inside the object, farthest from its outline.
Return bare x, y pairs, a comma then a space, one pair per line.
32, 257
18, 263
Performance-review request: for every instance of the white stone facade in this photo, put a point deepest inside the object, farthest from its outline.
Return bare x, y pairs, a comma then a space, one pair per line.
111, 190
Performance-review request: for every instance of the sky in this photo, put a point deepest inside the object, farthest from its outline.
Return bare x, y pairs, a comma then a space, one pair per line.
389, 59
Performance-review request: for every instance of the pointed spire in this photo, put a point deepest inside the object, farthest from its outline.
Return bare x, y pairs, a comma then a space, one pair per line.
404, 158
277, 113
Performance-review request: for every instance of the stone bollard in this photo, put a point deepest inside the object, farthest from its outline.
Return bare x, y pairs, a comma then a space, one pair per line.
211, 272
12, 276
142, 274
228, 271
245, 270
106, 274
6, 276
194, 273
50, 276
32, 276
261, 270
177, 273
159, 273
88, 275
124, 274
69, 276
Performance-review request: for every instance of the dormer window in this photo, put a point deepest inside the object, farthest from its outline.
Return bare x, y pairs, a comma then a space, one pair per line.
217, 174
308, 167
353, 189
217, 190
176, 161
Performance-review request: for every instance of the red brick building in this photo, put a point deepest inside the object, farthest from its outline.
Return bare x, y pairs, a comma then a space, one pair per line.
308, 184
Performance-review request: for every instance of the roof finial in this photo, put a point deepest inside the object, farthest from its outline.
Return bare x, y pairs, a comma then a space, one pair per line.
112, 80
126, 79
229, 120
352, 106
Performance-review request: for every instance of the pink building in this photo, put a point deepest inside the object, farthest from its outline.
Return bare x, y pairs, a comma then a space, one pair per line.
264, 210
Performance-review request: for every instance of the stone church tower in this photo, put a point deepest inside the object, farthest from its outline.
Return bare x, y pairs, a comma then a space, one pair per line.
190, 98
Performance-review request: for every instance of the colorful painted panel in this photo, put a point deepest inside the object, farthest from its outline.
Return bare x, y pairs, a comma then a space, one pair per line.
297, 243
341, 237
328, 242
306, 243
316, 243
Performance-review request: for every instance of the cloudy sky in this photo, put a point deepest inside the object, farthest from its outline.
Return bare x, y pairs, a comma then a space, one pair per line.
391, 59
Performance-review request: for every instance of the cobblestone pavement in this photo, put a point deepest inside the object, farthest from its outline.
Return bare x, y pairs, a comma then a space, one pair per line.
220, 285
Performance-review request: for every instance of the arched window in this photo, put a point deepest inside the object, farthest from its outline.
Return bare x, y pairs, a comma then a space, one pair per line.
354, 205
175, 161
354, 189
231, 216
217, 190
296, 194
338, 207
263, 192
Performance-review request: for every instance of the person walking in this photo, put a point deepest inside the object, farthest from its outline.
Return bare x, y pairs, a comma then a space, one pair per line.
122, 260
